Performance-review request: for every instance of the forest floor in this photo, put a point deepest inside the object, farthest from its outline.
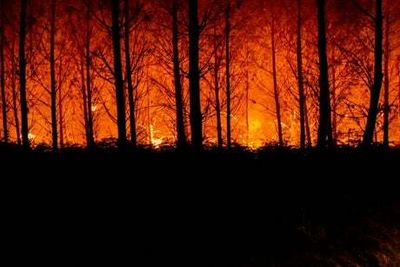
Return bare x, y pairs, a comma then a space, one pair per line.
272, 207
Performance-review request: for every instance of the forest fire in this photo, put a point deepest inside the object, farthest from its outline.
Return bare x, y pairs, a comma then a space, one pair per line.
248, 71
252, 133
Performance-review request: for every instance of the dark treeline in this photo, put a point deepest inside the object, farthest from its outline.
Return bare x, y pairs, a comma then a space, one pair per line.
118, 50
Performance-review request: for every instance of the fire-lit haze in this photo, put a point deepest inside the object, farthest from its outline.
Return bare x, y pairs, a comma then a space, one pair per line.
259, 31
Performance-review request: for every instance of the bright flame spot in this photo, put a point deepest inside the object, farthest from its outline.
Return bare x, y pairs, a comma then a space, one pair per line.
155, 142
94, 108
31, 136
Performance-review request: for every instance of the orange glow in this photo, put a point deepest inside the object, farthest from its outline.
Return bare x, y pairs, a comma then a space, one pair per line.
154, 87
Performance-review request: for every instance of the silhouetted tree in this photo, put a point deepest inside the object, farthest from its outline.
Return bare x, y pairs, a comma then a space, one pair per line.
378, 77
217, 87
325, 139
300, 77
60, 115
84, 101
194, 76
118, 79
53, 86
228, 73
131, 99
14, 94
334, 103
2, 76
22, 75
83, 41
386, 104
398, 88
180, 120
87, 90
275, 81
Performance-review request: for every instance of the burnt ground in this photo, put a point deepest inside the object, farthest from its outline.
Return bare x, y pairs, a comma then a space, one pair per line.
273, 207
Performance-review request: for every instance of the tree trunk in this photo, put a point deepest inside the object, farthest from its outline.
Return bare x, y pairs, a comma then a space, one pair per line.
2, 80
118, 79
247, 107
53, 89
15, 96
84, 101
61, 117
217, 63
334, 106
149, 119
300, 77
325, 139
386, 105
378, 77
131, 99
276, 89
22, 75
228, 74
88, 92
307, 124
180, 120
194, 76
398, 93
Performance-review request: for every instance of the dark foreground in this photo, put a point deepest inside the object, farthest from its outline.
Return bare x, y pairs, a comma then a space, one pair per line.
276, 207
